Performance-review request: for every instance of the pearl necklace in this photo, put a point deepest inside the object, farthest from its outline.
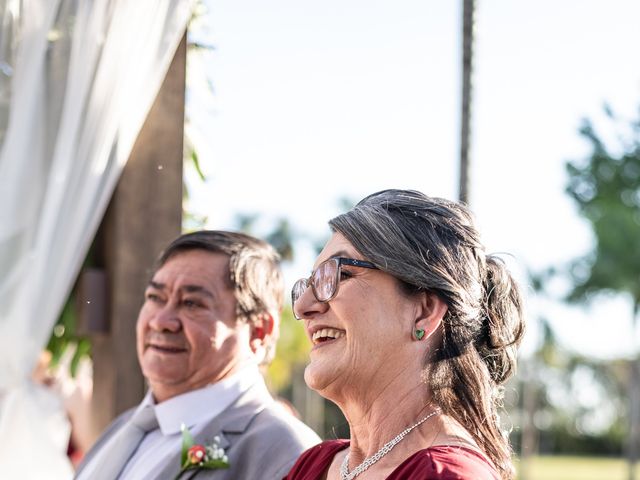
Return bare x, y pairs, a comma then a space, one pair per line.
386, 448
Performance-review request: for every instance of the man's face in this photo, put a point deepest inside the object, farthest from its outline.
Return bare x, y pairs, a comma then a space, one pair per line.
187, 332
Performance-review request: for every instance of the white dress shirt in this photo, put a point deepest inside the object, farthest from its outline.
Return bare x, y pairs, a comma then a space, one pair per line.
194, 409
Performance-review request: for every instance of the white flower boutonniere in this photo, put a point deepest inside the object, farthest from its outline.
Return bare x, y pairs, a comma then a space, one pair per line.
195, 456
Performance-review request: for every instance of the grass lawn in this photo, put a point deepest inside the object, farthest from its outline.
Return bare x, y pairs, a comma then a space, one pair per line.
576, 468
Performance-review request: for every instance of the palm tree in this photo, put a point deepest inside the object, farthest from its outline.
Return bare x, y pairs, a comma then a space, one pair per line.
468, 12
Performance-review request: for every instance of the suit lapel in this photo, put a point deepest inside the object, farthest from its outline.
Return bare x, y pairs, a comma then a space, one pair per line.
233, 421
106, 435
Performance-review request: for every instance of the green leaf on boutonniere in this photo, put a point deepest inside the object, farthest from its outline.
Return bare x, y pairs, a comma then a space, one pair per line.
187, 443
214, 464
200, 456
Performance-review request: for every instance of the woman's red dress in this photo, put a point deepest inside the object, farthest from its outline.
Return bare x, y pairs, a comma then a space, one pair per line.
433, 463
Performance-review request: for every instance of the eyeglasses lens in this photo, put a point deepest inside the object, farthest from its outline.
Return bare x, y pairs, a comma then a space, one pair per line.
325, 280
298, 289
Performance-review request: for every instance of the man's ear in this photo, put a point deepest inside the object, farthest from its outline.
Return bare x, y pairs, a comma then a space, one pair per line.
262, 327
431, 309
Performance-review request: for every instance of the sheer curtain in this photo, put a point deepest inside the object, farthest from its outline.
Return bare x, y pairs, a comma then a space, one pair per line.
77, 78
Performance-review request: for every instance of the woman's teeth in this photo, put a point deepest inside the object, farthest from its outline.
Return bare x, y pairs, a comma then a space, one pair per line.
326, 334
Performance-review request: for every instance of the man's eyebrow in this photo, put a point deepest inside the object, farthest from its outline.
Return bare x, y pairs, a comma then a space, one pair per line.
196, 289
186, 288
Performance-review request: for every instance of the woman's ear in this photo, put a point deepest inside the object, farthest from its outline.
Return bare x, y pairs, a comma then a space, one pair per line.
431, 309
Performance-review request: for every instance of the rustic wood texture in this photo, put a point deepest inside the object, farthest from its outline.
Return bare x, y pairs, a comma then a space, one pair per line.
144, 215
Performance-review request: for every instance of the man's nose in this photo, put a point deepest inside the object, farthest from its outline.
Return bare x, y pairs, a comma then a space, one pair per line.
166, 319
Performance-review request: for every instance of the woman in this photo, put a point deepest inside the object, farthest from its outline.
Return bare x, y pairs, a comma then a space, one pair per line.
414, 330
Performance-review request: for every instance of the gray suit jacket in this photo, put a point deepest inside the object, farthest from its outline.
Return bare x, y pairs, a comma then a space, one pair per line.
261, 440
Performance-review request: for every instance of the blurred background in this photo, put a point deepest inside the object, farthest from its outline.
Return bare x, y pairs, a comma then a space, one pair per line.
529, 111
310, 107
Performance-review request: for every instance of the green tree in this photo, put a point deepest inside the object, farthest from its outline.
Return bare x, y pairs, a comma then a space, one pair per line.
606, 189
568, 403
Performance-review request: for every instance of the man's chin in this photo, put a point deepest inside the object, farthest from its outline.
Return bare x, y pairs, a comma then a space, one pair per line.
162, 371
165, 386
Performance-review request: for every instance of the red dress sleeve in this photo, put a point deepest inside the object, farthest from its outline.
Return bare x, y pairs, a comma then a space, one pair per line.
316, 460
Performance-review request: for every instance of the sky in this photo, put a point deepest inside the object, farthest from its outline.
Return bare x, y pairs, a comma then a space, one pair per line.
309, 102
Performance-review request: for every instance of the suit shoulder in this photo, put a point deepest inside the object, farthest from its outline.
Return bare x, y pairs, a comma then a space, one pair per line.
273, 442
278, 421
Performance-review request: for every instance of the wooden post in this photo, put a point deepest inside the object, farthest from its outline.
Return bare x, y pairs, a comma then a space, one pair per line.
144, 215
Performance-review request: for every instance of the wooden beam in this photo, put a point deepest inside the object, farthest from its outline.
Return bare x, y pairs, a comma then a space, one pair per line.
144, 215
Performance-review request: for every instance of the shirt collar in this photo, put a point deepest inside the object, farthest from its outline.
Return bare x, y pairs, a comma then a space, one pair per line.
204, 404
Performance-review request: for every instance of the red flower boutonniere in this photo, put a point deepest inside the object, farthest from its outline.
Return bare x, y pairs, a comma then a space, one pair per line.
196, 456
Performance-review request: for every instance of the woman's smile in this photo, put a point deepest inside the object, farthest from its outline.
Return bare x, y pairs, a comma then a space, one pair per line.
324, 335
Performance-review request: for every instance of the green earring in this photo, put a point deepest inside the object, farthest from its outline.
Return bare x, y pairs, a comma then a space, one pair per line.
418, 333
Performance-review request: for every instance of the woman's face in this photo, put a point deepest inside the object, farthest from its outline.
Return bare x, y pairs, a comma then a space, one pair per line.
362, 337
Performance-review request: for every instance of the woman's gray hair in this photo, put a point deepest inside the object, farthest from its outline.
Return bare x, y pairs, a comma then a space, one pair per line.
432, 245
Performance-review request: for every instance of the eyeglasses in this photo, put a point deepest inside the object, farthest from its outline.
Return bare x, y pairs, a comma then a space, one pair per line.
325, 279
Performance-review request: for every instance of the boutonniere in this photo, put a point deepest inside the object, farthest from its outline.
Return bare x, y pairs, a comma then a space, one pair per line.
195, 456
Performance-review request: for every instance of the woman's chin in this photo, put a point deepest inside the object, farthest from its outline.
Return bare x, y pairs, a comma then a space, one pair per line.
319, 377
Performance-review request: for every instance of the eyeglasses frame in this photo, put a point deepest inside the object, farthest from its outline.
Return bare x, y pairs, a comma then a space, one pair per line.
353, 262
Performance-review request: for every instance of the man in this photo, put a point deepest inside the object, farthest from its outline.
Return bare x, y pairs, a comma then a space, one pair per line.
210, 316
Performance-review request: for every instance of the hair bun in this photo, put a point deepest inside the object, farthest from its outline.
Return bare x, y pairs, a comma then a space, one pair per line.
503, 323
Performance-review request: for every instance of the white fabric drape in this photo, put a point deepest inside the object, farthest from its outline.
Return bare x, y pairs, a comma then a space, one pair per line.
77, 79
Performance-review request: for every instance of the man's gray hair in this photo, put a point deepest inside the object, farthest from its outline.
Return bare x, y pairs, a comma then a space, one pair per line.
254, 273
